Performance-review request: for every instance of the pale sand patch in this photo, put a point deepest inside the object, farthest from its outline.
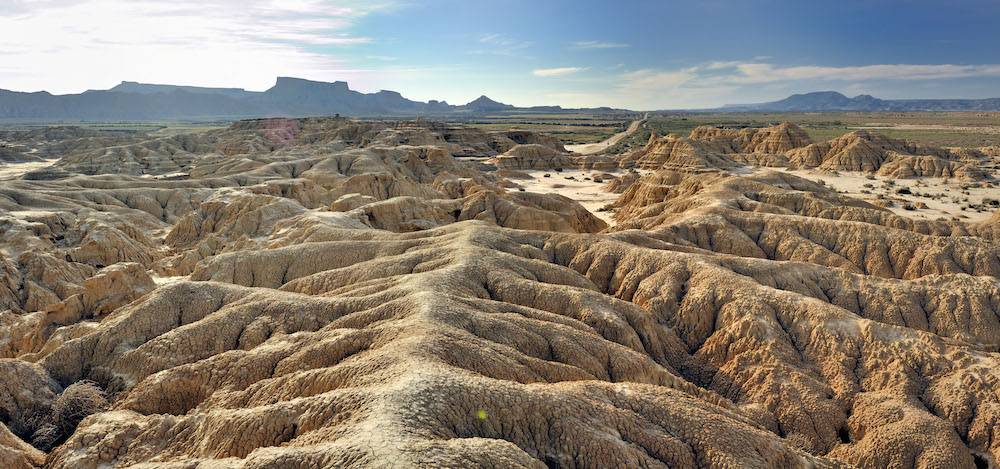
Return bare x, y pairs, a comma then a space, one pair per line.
23, 214
591, 195
160, 281
949, 205
15, 170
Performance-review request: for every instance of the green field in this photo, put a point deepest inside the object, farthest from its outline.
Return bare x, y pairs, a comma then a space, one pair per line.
952, 129
152, 128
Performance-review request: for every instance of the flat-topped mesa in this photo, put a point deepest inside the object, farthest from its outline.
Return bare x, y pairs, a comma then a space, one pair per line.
290, 83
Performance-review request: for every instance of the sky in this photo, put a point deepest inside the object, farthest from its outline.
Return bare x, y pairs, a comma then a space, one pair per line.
635, 54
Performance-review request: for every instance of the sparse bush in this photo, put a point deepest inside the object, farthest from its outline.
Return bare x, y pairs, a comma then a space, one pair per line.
903, 190
909, 206
46, 437
75, 403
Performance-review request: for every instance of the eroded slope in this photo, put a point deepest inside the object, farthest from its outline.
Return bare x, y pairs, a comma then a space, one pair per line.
331, 293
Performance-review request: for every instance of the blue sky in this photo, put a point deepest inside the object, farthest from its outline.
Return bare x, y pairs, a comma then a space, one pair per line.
635, 54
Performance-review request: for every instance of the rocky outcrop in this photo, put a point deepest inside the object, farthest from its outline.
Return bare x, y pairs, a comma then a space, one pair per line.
776, 139
17, 454
532, 156
868, 152
525, 211
905, 166
675, 153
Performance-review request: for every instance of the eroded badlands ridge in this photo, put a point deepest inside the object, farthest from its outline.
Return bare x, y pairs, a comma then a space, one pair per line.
329, 293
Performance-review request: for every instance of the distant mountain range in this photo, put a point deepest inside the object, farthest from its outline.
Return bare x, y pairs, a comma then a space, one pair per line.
288, 97
131, 101
831, 101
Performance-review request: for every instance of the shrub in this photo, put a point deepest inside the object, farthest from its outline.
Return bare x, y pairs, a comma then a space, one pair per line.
76, 402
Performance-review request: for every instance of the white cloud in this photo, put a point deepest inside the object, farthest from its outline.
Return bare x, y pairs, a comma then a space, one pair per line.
715, 83
71, 45
765, 73
739, 73
598, 45
500, 44
557, 72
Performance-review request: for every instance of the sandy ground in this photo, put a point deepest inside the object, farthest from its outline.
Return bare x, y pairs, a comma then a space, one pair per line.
15, 170
594, 148
580, 188
949, 205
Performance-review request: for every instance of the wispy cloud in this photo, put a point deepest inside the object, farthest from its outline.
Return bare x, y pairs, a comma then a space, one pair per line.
765, 73
204, 42
557, 72
740, 73
500, 44
598, 45
715, 83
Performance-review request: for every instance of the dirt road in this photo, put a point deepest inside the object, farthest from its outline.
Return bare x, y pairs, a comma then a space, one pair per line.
594, 148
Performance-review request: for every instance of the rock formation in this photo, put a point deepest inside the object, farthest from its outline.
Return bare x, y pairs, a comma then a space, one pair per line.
866, 151
532, 156
337, 293
788, 146
774, 140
